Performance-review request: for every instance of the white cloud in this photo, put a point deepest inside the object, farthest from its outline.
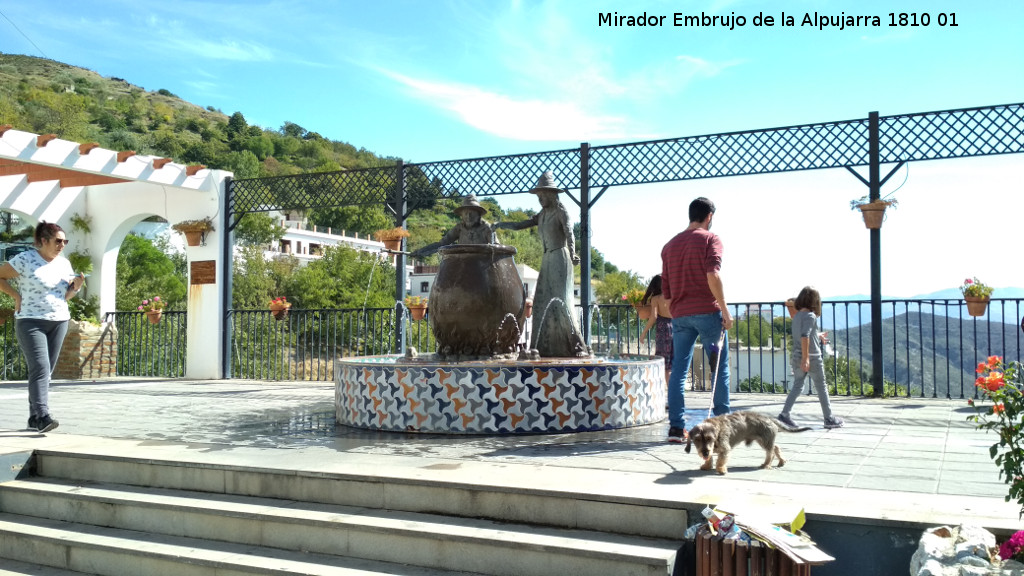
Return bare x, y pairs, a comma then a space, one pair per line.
519, 119
548, 78
229, 50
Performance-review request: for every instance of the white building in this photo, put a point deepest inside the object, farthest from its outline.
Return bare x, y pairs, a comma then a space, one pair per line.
306, 241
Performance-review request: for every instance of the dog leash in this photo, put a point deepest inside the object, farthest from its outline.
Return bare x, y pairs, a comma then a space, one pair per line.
714, 373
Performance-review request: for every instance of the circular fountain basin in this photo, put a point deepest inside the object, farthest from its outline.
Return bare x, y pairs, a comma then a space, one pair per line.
553, 395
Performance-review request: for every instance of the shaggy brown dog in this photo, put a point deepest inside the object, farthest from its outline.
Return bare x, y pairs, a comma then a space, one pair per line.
718, 435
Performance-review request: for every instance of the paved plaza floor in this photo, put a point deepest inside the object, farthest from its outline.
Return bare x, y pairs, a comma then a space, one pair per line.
915, 460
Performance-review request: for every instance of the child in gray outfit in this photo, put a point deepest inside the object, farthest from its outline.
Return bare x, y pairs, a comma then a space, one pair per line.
806, 357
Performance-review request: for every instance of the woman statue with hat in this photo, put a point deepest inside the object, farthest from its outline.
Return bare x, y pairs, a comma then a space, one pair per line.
560, 335
473, 229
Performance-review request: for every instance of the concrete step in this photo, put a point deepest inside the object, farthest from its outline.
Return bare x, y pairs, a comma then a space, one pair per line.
472, 497
10, 567
430, 540
113, 552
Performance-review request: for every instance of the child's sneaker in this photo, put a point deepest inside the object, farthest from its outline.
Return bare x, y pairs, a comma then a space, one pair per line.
787, 420
833, 422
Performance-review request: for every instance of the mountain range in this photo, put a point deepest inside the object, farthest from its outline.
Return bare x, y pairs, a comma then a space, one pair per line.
933, 353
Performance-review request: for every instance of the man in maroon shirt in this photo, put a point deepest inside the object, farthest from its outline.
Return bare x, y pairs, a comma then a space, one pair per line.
690, 281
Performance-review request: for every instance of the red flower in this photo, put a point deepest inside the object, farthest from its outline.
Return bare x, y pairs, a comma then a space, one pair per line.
981, 367
994, 361
997, 408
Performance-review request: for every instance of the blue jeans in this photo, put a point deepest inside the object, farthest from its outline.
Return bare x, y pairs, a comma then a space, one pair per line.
40, 342
685, 331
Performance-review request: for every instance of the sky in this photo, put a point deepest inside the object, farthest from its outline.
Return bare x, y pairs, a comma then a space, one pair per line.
451, 79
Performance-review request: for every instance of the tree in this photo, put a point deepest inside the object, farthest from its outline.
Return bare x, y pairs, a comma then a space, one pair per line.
258, 229
614, 285
236, 125
243, 164
363, 220
143, 271
293, 130
343, 278
257, 280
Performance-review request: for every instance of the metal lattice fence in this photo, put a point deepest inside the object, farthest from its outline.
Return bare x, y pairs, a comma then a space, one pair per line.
952, 134
902, 138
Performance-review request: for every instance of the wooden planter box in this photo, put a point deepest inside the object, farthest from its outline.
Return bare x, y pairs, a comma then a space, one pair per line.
717, 556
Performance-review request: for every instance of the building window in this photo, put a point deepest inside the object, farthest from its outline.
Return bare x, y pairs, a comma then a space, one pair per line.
424, 286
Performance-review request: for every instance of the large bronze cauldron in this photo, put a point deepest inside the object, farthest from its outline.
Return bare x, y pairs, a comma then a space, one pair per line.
477, 302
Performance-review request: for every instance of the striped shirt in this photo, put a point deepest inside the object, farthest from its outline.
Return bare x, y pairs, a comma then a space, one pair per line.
686, 262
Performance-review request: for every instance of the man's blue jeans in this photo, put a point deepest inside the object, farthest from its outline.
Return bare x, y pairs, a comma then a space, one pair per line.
685, 331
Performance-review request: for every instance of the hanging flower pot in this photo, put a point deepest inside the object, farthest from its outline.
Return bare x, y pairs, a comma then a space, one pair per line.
644, 312
194, 230
153, 307
279, 308
976, 294
976, 306
418, 312
392, 238
873, 211
193, 237
417, 306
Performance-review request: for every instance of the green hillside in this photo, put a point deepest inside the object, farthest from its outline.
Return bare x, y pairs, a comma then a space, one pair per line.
43, 96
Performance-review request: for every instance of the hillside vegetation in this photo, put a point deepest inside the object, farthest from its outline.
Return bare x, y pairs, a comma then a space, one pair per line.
43, 96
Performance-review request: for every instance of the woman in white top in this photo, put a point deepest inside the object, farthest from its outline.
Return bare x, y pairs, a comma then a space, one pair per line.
43, 283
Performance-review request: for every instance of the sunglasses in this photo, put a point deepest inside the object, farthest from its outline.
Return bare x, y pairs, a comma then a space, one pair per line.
63, 242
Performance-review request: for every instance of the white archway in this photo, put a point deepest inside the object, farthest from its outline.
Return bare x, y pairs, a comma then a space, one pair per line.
46, 178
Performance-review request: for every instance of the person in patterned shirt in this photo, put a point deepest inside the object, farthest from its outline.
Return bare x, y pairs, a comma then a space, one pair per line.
43, 283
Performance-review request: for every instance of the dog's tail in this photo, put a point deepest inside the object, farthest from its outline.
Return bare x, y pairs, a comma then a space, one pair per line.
688, 444
787, 428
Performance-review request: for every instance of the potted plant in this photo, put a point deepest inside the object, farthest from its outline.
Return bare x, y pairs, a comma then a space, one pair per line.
153, 307
279, 307
635, 298
1002, 385
417, 306
873, 211
194, 230
976, 294
392, 238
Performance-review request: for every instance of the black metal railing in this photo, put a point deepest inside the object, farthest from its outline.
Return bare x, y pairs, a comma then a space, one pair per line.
930, 348
148, 349
303, 344
13, 361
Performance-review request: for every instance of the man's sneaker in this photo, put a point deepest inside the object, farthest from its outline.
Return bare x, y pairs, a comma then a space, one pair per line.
33, 423
787, 420
46, 423
677, 435
833, 422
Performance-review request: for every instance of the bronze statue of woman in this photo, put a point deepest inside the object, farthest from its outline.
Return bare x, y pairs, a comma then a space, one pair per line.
553, 304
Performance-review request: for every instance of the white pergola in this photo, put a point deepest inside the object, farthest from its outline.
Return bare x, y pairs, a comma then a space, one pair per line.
45, 178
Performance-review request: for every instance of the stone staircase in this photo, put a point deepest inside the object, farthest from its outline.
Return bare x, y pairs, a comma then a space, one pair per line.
71, 513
